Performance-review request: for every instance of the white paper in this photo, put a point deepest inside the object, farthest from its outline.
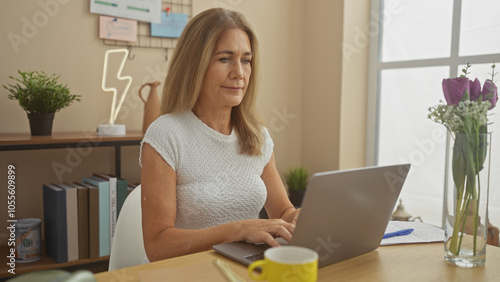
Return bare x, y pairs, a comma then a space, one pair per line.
141, 10
422, 233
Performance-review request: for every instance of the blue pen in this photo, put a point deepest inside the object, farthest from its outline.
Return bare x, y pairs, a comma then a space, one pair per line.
398, 233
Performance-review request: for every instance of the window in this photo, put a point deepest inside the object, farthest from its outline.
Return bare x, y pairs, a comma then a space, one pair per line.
417, 45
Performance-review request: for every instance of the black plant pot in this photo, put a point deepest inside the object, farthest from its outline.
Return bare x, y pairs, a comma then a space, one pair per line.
296, 197
41, 124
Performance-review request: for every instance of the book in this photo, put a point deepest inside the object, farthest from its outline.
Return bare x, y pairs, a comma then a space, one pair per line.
93, 220
122, 187
122, 192
103, 186
83, 220
55, 223
113, 207
71, 219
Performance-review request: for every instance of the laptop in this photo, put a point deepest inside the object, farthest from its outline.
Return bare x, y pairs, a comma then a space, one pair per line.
344, 214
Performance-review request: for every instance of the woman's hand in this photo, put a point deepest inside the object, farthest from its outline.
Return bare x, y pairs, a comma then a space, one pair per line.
265, 231
296, 216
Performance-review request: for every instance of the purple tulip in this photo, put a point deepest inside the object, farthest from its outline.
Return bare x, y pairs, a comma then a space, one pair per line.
490, 92
475, 89
454, 89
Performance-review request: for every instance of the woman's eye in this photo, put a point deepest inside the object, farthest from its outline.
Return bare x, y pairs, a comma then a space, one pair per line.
247, 61
224, 60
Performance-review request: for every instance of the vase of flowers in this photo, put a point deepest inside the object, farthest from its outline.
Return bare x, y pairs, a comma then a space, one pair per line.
465, 116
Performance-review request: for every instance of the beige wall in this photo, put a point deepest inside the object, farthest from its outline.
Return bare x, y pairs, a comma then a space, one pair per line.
314, 116
353, 102
334, 96
322, 84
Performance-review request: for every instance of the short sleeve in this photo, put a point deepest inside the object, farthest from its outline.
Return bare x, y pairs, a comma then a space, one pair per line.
268, 146
160, 135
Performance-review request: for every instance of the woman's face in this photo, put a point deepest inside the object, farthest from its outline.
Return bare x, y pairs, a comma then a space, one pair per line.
228, 72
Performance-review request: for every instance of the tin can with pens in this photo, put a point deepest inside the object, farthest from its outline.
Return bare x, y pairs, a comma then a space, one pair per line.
28, 240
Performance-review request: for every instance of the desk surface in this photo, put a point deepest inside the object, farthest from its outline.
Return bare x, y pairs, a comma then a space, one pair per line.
410, 262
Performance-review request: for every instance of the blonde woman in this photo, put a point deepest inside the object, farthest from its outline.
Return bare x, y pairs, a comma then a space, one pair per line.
207, 162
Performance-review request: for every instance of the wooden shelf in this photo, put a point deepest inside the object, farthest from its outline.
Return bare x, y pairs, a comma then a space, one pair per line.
61, 140
46, 262
24, 141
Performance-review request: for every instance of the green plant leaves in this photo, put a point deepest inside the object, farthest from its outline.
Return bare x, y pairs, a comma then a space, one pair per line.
296, 178
38, 93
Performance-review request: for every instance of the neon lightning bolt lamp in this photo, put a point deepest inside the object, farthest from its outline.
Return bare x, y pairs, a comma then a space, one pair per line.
112, 128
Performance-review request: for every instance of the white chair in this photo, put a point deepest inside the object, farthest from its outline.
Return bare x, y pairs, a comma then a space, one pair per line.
127, 248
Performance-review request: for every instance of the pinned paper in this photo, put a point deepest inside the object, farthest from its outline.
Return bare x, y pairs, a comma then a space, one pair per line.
141, 10
172, 25
117, 29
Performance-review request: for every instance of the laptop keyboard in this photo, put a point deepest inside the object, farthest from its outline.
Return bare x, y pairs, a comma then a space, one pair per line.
258, 256
254, 257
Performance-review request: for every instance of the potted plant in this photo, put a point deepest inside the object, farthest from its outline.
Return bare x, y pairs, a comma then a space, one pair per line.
296, 180
41, 96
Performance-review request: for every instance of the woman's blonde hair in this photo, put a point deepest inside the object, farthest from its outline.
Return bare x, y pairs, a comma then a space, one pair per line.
190, 61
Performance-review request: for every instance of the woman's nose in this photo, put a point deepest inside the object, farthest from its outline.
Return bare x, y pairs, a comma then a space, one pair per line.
237, 70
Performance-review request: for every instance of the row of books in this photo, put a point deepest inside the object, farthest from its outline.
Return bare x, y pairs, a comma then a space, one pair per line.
80, 217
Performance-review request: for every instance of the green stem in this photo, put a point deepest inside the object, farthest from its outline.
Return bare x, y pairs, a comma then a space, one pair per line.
454, 249
465, 172
475, 203
463, 221
475, 207
473, 157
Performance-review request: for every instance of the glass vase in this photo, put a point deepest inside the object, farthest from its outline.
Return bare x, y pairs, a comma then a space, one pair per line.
466, 198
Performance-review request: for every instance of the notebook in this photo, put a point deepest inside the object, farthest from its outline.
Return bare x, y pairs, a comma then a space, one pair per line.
344, 214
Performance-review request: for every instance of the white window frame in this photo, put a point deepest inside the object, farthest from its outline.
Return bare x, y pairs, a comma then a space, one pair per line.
375, 68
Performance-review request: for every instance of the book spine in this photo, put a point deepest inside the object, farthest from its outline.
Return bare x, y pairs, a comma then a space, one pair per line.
93, 222
83, 223
56, 238
103, 221
122, 193
113, 208
72, 219
104, 235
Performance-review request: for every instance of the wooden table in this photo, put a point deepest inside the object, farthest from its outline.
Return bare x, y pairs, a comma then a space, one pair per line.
410, 262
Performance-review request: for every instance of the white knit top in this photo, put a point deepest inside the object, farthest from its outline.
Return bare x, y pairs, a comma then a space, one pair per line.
215, 183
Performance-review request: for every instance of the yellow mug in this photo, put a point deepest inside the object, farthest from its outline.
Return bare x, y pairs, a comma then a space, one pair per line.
286, 263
